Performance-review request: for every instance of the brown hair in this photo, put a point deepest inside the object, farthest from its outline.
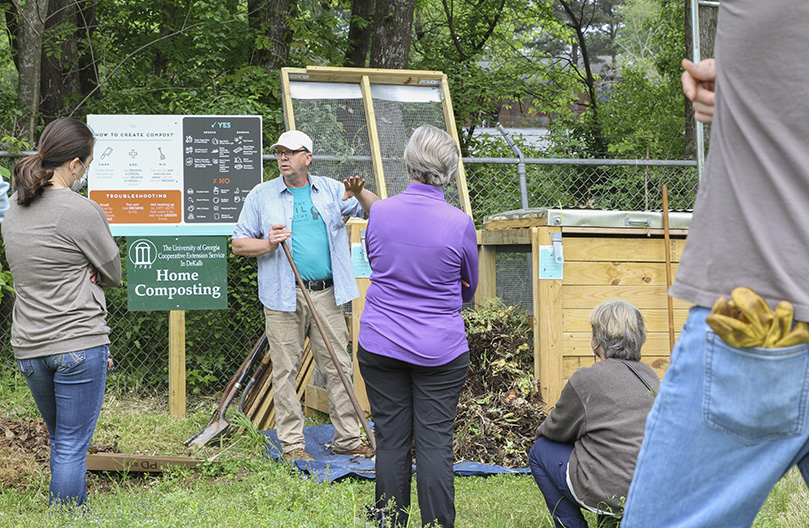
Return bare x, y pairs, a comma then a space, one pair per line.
61, 141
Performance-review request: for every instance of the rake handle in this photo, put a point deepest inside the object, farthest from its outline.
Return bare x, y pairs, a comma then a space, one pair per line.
669, 300
349, 389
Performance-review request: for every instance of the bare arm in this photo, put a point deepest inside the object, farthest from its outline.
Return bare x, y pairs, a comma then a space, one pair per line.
698, 86
253, 247
355, 187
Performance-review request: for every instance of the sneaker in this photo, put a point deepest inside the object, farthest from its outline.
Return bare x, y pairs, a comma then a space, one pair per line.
362, 450
298, 454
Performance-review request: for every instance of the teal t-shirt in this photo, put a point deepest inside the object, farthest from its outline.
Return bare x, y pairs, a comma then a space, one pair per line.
310, 243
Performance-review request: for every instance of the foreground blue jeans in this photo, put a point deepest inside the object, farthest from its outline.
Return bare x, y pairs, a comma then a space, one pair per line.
68, 390
548, 461
726, 426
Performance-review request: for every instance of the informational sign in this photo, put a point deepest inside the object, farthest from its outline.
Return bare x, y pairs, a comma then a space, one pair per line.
549, 268
174, 175
177, 273
359, 261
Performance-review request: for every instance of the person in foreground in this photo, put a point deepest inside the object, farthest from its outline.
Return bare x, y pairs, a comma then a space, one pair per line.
412, 351
588, 444
730, 421
311, 208
61, 255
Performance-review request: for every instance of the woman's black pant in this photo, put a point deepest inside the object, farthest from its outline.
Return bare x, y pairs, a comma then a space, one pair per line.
410, 402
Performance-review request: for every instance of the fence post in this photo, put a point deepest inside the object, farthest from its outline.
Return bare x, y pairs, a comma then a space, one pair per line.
177, 363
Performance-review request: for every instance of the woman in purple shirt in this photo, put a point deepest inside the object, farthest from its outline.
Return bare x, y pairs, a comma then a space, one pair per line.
412, 350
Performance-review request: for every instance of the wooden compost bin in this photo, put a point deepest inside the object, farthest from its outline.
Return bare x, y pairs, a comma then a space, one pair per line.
606, 255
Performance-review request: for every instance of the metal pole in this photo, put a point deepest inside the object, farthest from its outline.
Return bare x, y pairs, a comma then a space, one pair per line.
520, 166
521, 172
700, 131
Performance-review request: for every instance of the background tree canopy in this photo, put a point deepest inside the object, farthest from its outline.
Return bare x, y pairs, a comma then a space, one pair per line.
601, 74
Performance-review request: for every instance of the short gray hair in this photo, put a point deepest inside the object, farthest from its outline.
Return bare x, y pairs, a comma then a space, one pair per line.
619, 328
431, 156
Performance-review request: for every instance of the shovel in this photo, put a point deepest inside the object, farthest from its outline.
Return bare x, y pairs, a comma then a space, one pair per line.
218, 425
365, 425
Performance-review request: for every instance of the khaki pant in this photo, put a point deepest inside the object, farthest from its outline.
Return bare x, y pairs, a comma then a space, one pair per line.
286, 332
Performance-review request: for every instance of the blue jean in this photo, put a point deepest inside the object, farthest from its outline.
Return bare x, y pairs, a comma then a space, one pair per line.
548, 461
68, 390
726, 426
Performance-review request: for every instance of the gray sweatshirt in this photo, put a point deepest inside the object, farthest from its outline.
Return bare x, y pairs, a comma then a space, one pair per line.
51, 246
602, 412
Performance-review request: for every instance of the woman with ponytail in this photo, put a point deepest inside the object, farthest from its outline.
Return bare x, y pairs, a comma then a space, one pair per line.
61, 255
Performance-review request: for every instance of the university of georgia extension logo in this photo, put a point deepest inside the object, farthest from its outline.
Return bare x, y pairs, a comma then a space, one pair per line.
142, 254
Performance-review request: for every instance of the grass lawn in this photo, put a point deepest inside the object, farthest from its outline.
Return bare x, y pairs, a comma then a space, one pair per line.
242, 488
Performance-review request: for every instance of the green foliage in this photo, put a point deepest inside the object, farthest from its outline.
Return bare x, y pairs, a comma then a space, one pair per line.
6, 283
645, 117
484, 48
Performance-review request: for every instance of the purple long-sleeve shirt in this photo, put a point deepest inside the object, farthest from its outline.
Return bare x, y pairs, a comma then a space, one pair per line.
420, 248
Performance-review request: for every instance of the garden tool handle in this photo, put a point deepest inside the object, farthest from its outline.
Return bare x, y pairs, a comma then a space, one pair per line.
357, 409
669, 300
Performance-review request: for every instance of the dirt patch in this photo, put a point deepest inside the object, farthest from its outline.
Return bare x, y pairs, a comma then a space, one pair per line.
500, 407
25, 453
24, 450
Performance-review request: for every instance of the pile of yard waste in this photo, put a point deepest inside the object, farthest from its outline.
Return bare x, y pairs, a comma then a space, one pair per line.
500, 406
25, 451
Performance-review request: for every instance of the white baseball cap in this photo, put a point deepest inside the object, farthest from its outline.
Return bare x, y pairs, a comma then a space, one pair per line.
294, 140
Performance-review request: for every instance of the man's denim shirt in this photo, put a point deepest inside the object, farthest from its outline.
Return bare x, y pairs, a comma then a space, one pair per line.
271, 203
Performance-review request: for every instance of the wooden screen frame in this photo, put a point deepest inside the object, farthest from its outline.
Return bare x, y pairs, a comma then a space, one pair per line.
365, 77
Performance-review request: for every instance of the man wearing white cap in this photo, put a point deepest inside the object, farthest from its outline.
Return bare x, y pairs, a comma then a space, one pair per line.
312, 208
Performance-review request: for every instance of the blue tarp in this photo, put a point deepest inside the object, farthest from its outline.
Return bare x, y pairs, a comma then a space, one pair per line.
330, 467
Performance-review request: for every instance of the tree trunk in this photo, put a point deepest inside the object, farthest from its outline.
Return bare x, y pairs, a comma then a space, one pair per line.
88, 65
59, 71
359, 32
269, 18
32, 26
580, 26
390, 43
707, 39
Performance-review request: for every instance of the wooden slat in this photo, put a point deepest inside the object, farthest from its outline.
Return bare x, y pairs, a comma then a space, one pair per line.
452, 130
380, 76
615, 273
487, 275
511, 238
643, 297
177, 387
547, 307
623, 231
357, 305
578, 344
137, 463
289, 114
613, 249
373, 138
317, 398
578, 320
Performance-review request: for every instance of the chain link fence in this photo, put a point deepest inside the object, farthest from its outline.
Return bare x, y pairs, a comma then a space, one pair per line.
218, 340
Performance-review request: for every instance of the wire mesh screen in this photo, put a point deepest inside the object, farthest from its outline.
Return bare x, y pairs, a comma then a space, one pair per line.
333, 115
514, 286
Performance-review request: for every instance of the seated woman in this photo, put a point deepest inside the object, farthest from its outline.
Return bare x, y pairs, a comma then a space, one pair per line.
589, 443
